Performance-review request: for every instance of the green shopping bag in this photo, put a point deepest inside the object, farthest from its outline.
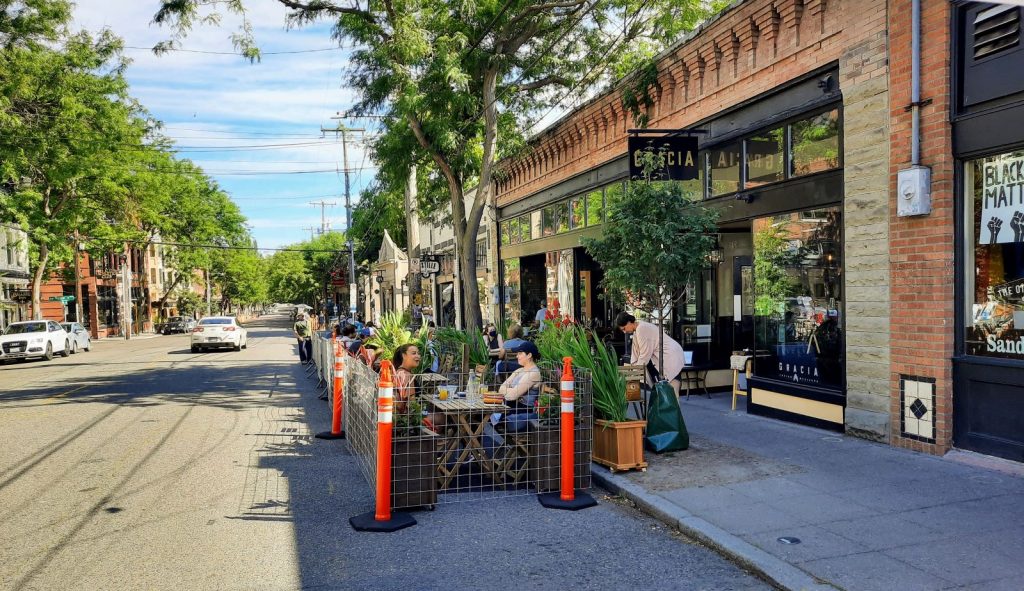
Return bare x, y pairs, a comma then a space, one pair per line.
666, 430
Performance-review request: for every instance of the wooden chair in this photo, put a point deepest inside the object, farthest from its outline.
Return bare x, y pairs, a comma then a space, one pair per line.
634, 376
740, 380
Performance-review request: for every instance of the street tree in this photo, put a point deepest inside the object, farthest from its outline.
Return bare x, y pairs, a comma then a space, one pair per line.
451, 78
65, 117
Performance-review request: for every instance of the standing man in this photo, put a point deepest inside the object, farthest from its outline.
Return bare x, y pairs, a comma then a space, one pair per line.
542, 315
302, 335
645, 348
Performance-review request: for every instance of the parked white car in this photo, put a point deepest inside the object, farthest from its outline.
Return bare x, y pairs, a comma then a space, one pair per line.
80, 339
219, 331
34, 338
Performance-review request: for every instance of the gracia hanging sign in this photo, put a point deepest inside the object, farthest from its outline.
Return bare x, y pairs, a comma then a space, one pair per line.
680, 153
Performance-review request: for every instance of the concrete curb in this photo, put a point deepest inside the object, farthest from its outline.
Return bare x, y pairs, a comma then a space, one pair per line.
774, 570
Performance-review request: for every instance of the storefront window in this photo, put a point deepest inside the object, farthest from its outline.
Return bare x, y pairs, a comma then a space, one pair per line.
765, 155
798, 297
551, 215
524, 228
595, 207
612, 195
563, 216
578, 212
815, 145
510, 290
505, 233
536, 220
995, 193
725, 169
694, 189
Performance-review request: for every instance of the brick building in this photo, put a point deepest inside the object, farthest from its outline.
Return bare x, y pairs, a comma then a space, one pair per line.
799, 108
898, 324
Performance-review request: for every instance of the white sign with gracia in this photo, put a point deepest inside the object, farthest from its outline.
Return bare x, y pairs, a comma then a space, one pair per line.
1002, 198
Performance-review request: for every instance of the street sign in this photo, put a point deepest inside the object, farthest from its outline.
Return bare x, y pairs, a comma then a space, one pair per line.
429, 266
63, 299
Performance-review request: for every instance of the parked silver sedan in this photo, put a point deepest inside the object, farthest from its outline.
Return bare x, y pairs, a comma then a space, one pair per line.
80, 339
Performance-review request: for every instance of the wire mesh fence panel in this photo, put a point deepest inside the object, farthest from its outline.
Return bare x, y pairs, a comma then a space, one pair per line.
360, 395
466, 437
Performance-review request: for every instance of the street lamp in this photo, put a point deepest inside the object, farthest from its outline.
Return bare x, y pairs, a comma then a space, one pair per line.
717, 253
379, 273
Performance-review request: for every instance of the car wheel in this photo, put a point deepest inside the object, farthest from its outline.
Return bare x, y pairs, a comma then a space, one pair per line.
67, 349
195, 349
74, 347
245, 344
88, 345
49, 352
237, 346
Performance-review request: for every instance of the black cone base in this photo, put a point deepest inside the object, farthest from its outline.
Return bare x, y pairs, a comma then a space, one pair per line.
554, 500
366, 522
329, 435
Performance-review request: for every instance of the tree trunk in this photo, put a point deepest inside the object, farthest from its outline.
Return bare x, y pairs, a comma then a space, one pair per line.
413, 237
37, 281
170, 290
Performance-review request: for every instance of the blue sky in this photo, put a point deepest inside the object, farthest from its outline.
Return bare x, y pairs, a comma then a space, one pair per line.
216, 107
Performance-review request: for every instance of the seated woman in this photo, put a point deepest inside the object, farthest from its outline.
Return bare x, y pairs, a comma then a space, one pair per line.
406, 359
521, 388
495, 344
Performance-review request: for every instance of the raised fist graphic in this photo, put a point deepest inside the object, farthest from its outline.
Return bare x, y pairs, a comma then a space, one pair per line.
993, 226
1017, 223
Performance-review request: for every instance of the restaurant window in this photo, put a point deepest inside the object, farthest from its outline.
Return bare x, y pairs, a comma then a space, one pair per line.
725, 169
551, 215
694, 189
994, 191
815, 144
107, 305
525, 232
506, 238
798, 299
578, 212
510, 290
765, 154
563, 217
595, 207
612, 195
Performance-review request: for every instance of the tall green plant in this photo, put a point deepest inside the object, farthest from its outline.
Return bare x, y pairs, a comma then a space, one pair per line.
391, 334
655, 243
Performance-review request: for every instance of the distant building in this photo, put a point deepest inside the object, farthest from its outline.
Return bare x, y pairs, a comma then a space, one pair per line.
15, 297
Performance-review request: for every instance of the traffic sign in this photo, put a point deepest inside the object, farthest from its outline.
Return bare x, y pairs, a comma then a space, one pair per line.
63, 299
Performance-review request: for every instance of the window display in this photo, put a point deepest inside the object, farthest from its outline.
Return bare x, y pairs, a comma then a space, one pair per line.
798, 300
510, 290
995, 193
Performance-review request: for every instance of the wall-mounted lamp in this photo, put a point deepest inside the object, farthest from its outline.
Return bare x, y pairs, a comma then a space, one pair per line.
827, 83
716, 255
746, 197
380, 275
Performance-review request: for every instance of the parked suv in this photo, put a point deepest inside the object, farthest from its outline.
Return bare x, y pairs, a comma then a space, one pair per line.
178, 324
34, 338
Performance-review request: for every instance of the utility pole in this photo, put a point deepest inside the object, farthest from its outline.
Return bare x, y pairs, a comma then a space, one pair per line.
344, 131
312, 231
323, 217
78, 283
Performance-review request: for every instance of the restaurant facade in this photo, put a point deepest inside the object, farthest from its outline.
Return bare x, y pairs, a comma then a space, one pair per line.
789, 102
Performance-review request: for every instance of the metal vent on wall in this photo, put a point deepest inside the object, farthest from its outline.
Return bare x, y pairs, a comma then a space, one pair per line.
995, 30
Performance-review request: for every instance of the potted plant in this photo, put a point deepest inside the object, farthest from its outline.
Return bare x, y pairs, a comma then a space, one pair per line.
654, 245
413, 460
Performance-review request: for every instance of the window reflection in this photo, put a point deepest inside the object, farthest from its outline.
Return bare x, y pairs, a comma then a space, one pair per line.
595, 207
765, 155
510, 289
561, 272
578, 212
815, 145
725, 169
798, 297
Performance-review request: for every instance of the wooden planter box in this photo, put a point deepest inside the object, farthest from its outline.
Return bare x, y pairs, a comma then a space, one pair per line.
619, 445
414, 471
546, 455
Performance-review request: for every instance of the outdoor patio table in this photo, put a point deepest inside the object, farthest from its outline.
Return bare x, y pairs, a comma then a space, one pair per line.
465, 419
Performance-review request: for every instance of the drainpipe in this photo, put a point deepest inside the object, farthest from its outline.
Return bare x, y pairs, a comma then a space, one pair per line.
915, 83
913, 184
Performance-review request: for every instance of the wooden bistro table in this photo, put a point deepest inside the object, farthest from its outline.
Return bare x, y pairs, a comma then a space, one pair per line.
465, 420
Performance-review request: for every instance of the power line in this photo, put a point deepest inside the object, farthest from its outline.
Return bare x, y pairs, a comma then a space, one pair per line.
211, 52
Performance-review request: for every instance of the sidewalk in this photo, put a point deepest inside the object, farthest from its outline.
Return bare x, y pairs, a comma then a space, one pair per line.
867, 516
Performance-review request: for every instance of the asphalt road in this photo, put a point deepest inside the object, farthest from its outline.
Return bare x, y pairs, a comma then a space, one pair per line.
140, 465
